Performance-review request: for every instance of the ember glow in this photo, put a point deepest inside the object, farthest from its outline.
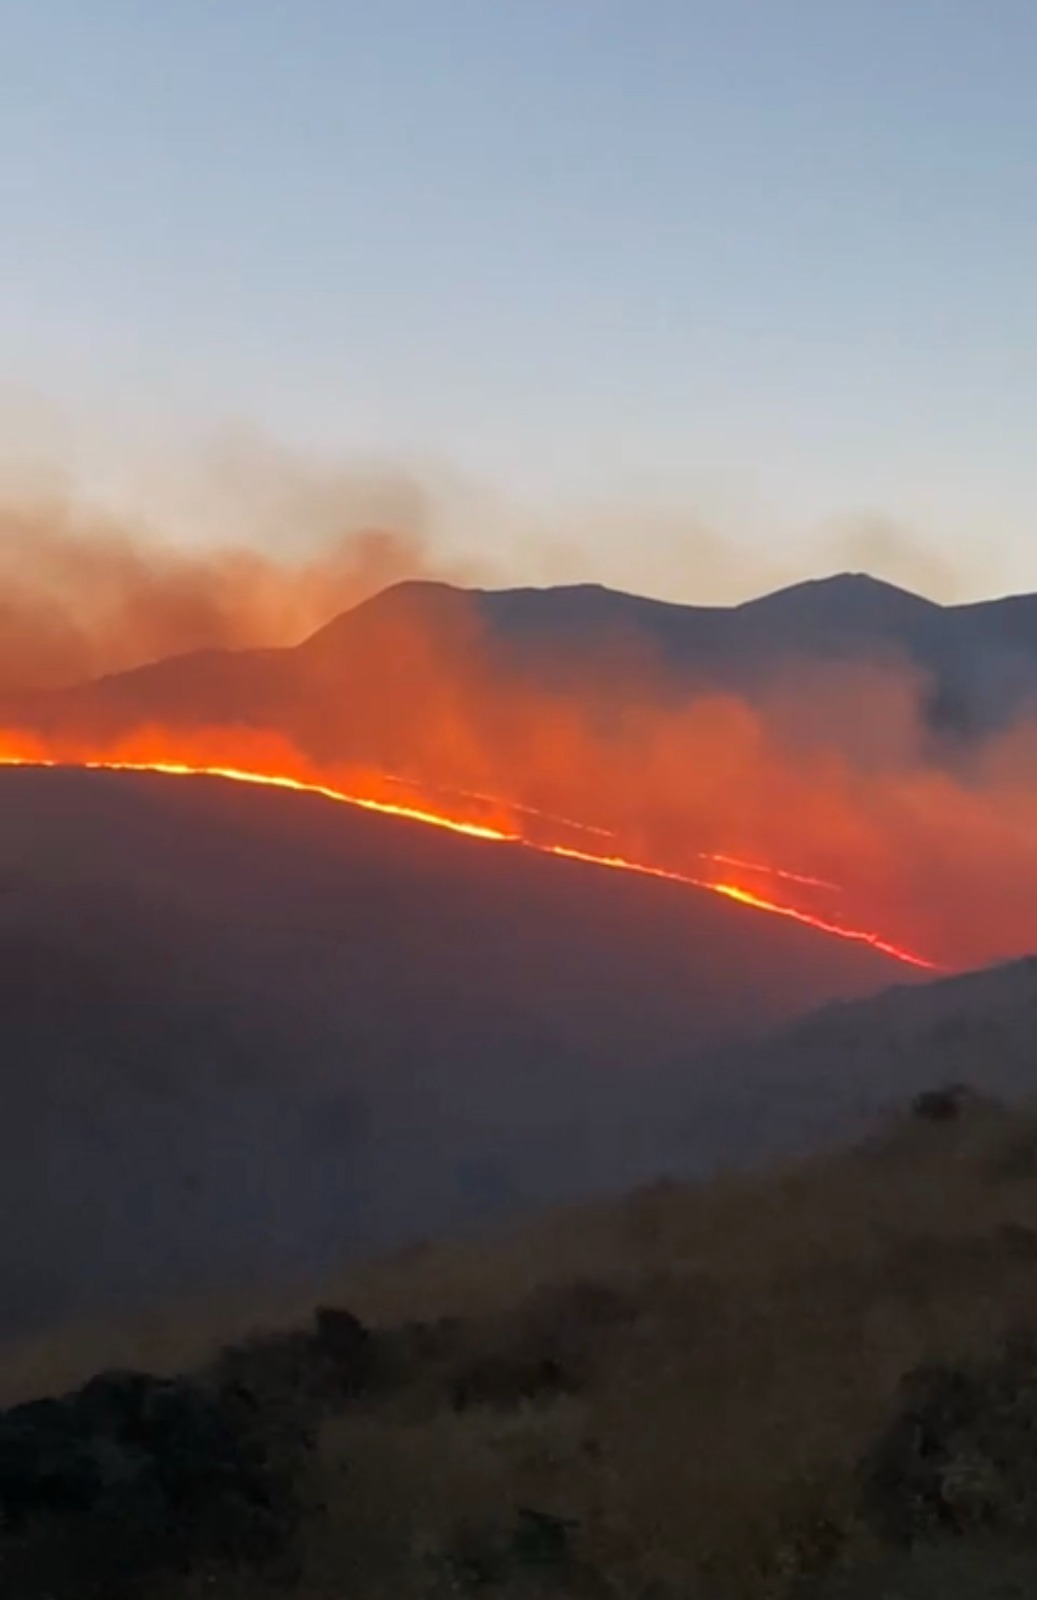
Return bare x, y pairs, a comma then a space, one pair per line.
270, 763
772, 872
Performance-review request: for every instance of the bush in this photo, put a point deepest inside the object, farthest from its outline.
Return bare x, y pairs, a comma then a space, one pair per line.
536, 1546
961, 1454
313, 1369
973, 1569
545, 1348
944, 1105
132, 1476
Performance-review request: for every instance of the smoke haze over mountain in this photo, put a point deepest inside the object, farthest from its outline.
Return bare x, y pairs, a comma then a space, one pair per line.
845, 731
112, 556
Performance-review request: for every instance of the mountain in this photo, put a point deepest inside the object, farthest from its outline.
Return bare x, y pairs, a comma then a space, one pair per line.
977, 663
247, 1032
358, 689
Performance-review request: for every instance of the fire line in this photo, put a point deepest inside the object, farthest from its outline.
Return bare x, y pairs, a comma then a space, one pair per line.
490, 832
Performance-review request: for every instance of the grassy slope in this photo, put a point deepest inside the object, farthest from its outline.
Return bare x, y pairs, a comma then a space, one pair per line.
712, 1450
775, 1318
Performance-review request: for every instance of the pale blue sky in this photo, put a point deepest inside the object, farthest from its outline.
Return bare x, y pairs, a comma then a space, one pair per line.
778, 256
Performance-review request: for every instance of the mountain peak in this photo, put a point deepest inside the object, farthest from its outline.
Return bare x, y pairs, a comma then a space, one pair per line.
862, 583
413, 600
846, 598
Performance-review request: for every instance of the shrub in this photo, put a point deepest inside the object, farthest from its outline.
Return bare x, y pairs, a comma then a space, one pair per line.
333, 1360
133, 1475
944, 1105
545, 1348
960, 1456
962, 1569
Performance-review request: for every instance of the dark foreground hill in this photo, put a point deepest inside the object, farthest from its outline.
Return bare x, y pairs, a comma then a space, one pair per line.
815, 1383
249, 1032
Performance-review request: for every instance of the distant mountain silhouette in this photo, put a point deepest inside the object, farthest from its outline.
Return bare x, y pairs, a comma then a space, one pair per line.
355, 689
246, 1032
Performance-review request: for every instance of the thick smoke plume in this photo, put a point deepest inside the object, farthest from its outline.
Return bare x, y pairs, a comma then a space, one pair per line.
83, 594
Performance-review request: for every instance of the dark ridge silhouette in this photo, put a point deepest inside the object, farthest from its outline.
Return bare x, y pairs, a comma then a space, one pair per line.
850, 1337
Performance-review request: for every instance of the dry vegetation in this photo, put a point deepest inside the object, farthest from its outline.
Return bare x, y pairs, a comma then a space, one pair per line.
670, 1397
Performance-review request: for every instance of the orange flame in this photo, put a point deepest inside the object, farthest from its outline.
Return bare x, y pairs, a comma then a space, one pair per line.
771, 872
268, 761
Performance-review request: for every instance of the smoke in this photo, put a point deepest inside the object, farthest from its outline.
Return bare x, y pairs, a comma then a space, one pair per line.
262, 549
86, 592
878, 544
117, 552
646, 546
829, 774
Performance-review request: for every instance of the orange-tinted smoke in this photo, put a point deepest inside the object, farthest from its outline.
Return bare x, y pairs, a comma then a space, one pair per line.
828, 777
831, 776
83, 594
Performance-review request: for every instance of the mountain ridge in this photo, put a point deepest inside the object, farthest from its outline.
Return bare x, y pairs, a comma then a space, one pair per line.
973, 667
855, 597
842, 585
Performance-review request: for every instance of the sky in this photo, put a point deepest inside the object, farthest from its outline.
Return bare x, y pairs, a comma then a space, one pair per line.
764, 267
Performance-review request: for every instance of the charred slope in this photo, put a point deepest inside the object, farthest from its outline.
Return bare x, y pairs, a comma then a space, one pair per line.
247, 1032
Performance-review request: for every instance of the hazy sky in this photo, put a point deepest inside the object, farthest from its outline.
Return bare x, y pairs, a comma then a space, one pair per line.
769, 261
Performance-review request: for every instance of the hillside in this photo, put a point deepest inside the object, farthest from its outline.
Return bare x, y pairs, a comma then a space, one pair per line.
831, 1075
875, 746
248, 1031
815, 1381
704, 1390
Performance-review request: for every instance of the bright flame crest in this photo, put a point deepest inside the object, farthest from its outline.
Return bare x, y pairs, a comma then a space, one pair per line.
271, 763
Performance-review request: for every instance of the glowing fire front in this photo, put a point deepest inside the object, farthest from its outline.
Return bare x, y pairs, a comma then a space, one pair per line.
270, 762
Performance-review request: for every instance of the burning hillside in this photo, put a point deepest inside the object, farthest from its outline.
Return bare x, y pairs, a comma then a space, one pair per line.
840, 753
477, 817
